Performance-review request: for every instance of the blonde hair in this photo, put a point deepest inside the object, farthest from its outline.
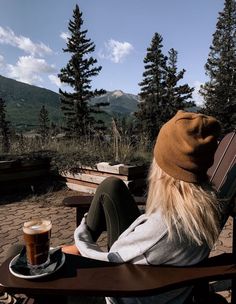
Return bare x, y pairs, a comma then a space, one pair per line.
188, 208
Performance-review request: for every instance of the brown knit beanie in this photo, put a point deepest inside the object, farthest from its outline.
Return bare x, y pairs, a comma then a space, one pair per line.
186, 145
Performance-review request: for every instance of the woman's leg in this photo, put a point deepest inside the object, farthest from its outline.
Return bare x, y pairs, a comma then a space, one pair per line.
113, 209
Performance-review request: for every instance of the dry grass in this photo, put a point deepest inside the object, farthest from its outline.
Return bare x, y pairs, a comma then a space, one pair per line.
72, 153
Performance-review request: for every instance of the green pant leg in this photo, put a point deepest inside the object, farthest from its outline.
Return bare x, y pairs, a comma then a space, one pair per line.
113, 209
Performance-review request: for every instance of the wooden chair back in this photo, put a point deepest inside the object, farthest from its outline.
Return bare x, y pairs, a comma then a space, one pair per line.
223, 172
124, 280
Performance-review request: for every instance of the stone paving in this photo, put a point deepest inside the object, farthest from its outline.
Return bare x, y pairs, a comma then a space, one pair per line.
14, 213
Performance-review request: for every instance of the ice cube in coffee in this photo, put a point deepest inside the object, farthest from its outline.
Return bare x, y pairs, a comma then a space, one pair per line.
37, 241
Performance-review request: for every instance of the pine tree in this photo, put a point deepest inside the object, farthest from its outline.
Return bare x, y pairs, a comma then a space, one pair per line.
161, 95
220, 91
44, 123
4, 127
176, 95
78, 72
151, 104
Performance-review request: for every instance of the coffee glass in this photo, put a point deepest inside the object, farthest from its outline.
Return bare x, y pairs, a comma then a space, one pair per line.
37, 233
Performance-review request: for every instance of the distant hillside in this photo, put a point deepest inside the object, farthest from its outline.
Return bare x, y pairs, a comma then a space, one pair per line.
24, 101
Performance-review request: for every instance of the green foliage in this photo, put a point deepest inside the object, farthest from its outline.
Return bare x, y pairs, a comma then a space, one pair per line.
220, 91
152, 89
24, 101
32, 155
44, 124
69, 154
161, 96
176, 96
77, 74
132, 148
4, 128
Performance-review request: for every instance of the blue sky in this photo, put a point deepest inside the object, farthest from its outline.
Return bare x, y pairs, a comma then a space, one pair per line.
33, 33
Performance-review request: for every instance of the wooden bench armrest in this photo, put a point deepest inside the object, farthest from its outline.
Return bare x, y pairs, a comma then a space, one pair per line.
84, 200
82, 203
91, 277
78, 200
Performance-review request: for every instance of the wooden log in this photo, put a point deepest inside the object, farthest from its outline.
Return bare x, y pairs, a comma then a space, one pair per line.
35, 162
101, 173
81, 188
137, 186
18, 165
88, 178
94, 179
6, 164
134, 171
130, 171
80, 182
91, 178
106, 167
23, 175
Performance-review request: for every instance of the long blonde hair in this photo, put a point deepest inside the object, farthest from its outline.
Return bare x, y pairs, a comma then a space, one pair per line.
188, 208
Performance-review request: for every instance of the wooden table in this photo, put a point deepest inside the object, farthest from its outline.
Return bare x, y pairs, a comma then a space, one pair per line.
82, 276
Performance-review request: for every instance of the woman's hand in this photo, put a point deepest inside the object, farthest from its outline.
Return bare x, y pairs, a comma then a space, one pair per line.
70, 249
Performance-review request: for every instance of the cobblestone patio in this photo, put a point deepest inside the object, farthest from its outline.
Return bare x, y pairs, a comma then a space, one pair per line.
13, 212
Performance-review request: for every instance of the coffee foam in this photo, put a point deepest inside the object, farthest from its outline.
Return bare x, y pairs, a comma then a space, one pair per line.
37, 226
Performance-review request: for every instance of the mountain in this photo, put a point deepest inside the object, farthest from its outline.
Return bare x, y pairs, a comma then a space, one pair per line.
119, 102
24, 101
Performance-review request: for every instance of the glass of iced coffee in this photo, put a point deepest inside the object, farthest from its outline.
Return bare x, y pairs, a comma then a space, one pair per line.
37, 233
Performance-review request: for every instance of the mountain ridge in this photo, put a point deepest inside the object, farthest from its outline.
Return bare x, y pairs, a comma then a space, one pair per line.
24, 101
119, 102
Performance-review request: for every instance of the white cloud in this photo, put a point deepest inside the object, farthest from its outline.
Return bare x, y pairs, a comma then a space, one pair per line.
29, 69
65, 36
116, 51
196, 95
55, 80
7, 36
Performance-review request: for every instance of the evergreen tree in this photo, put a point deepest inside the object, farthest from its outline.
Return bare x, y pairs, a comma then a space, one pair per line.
4, 127
176, 95
21, 142
54, 129
220, 91
78, 72
161, 95
152, 93
44, 124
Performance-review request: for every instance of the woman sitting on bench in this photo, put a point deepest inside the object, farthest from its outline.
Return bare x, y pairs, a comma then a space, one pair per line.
182, 219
